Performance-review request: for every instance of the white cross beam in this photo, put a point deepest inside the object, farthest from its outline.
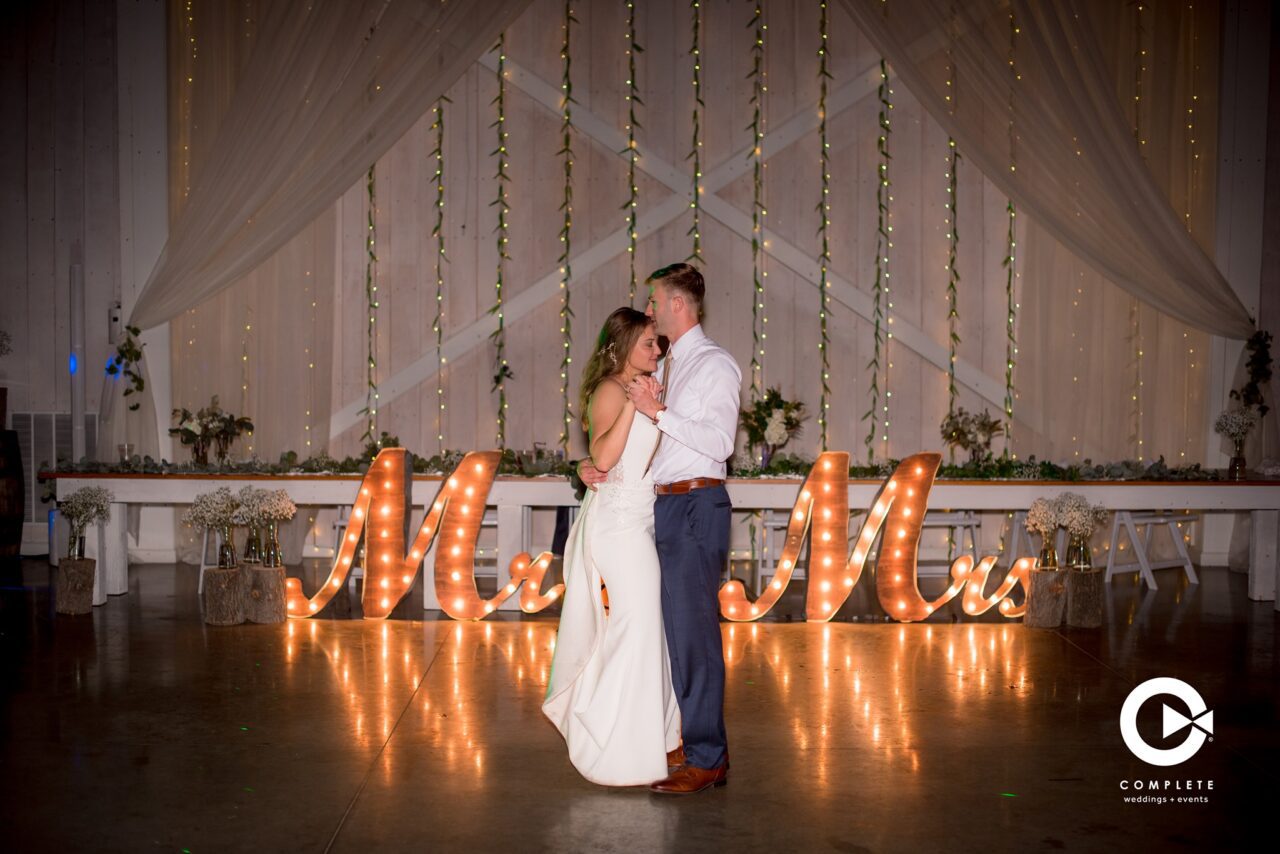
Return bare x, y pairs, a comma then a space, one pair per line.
657, 217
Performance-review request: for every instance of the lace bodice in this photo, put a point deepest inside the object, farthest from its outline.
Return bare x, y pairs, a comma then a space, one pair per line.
629, 472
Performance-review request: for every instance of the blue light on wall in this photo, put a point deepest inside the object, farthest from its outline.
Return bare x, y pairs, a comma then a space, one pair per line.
73, 363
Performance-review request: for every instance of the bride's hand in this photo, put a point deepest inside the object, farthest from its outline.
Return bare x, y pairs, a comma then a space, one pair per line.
640, 393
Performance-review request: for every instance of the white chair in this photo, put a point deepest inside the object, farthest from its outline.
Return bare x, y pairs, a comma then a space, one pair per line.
964, 521
1130, 522
204, 556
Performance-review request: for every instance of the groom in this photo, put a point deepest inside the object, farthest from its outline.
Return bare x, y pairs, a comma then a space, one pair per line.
696, 410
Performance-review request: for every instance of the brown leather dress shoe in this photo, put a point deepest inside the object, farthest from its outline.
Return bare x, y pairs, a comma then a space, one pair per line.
675, 758
689, 779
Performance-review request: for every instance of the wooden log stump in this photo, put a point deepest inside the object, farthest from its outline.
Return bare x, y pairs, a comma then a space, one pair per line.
1046, 600
1084, 598
75, 586
265, 602
223, 598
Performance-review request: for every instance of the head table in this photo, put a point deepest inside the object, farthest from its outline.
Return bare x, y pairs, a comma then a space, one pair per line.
513, 498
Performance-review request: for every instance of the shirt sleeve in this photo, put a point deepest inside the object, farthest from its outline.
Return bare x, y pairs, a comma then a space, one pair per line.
708, 419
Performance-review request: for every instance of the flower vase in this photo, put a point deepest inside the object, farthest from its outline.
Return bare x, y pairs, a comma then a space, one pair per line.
1048, 555
253, 546
766, 454
222, 448
1235, 468
75, 546
227, 548
200, 453
272, 556
1079, 557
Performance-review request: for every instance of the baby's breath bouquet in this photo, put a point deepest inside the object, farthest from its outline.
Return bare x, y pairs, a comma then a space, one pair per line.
216, 510
1081, 519
277, 506
1042, 518
89, 505
1235, 423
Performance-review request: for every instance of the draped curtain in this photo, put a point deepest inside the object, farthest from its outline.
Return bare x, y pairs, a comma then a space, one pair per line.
1039, 114
1098, 374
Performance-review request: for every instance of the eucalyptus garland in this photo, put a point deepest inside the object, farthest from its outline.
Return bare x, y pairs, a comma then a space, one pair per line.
695, 50
758, 211
824, 224
437, 323
566, 207
502, 371
953, 275
633, 154
370, 410
880, 287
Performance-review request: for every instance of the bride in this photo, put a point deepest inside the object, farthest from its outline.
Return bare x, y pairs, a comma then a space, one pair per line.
610, 689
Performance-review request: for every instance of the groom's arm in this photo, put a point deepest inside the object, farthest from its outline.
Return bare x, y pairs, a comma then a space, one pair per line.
710, 425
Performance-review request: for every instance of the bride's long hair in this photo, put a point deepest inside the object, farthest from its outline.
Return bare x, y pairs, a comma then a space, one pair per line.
617, 339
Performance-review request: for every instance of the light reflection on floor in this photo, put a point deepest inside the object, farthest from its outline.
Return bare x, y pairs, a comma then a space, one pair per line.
428, 734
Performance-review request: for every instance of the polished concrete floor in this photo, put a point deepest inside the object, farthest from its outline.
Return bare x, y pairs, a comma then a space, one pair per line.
140, 728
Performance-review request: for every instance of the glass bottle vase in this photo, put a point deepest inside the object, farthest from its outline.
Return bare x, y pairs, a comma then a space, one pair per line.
1236, 467
227, 547
1079, 557
253, 546
271, 554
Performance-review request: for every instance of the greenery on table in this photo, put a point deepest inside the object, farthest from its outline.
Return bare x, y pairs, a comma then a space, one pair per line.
541, 462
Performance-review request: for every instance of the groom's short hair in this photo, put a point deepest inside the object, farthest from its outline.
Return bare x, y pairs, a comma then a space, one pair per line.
684, 278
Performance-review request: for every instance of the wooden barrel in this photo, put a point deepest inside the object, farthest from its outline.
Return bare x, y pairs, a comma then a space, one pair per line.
12, 512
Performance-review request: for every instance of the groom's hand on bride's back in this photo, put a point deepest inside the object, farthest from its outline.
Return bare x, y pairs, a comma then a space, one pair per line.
590, 475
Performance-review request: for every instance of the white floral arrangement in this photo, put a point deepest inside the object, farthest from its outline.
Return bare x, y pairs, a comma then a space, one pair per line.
87, 506
1042, 517
277, 506
776, 432
1077, 515
1235, 423
215, 509
249, 513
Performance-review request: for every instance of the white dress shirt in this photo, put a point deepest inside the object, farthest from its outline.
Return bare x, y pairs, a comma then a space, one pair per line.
701, 418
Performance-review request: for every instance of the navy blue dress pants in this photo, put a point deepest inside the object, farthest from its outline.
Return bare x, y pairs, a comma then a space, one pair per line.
692, 534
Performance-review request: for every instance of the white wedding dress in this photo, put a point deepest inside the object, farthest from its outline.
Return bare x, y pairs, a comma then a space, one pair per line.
610, 689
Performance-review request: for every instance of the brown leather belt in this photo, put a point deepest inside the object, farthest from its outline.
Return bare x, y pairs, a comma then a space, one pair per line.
680, 487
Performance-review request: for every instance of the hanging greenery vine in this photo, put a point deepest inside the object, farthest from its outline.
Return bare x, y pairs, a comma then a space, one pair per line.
824, 224
633, 153
437, 323
695, 50
952, 205
953, 275
370, 410
758, 212
1010, 257
502, 371
566, 208
880, 287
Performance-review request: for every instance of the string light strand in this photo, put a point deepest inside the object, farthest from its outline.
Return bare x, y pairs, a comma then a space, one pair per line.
824, 225
502, 371
695, 50
632, 152
566, 208
437, 323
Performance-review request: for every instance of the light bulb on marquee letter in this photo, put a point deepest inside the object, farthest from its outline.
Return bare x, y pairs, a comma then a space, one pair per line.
898, 512
391, 568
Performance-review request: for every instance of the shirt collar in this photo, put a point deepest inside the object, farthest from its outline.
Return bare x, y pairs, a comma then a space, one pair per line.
687, 342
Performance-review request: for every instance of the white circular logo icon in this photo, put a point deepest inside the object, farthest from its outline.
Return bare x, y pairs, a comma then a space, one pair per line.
1200, 722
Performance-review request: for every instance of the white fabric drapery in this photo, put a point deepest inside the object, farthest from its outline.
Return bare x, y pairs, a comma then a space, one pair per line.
1055, 114
307, 346
328, 89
